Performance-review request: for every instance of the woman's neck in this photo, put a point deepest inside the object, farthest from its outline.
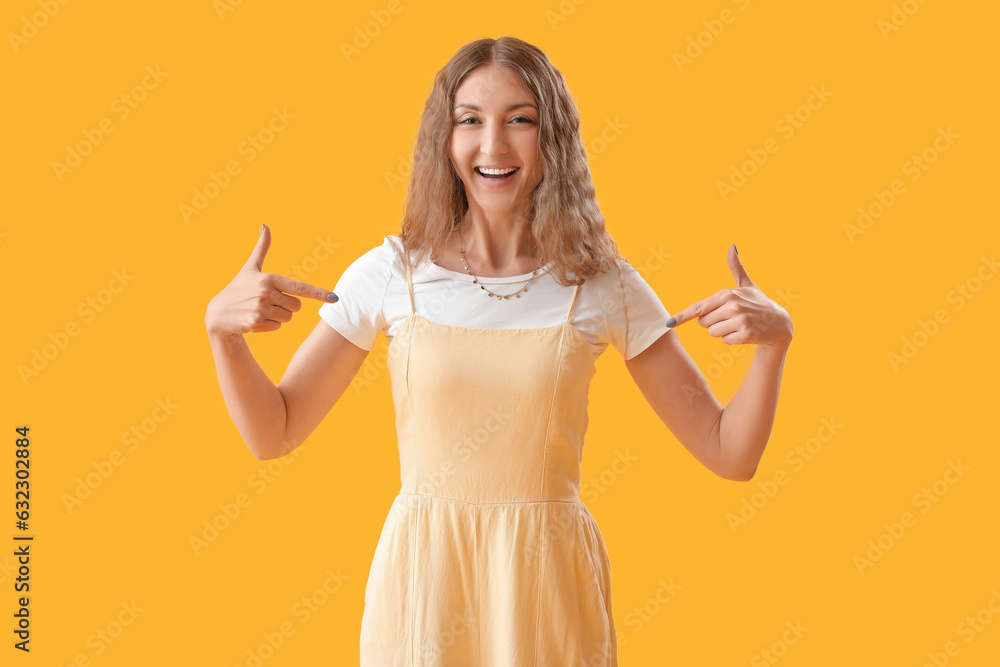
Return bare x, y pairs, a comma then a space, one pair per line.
496, 245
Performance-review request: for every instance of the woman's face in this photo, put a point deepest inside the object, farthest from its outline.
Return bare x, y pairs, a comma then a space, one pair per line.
495, 126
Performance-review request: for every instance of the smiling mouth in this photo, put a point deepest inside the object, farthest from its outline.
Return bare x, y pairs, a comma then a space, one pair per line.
496, 174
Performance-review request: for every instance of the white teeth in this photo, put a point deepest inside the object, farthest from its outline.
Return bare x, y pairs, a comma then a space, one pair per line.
496, 172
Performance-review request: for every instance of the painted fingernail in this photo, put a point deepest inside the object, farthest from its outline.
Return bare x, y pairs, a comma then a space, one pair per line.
262, 230
736, 249
672, 321
332, 297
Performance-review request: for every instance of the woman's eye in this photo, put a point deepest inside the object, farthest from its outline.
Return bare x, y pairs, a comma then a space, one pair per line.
520, 120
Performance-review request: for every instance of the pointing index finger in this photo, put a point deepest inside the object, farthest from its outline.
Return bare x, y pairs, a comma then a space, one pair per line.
697, 309
677, 319
299, 288
691, 312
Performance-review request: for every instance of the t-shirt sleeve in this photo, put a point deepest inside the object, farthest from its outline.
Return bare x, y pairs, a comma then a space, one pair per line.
357, 315
647, 317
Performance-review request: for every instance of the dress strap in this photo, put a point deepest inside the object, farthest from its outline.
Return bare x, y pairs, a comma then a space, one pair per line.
409, 277
572, 303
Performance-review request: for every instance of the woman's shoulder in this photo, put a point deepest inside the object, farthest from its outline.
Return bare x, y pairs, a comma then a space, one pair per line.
386, 262
382, 256
621, 283
615, 272
391, 252
374, 267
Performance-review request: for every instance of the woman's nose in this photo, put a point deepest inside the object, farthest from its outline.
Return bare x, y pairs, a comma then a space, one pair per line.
494, 141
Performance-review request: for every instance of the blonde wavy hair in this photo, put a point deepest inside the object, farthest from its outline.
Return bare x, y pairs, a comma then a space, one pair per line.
566, 221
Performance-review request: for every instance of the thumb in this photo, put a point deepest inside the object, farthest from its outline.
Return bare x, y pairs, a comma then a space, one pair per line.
736, 266
256, 261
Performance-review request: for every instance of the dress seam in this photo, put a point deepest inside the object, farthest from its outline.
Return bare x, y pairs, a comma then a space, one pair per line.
604, 314
552, 404
541, 483
413, 606
591, 542
621, 278
381, 305
538, 588
499, 502
479, 595
416, 467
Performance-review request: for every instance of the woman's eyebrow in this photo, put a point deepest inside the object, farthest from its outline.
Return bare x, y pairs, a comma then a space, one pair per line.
516, 105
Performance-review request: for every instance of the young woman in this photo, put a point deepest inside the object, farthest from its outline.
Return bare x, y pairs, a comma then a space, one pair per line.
497, 296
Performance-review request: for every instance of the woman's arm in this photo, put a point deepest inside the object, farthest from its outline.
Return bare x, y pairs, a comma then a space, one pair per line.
729, 441
745, 426
274, 420
255, 404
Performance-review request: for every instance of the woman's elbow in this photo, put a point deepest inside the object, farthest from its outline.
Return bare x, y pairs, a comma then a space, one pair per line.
270, 450
264, 451
737, 471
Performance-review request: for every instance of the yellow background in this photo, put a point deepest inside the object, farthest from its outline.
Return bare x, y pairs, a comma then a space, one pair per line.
326, 179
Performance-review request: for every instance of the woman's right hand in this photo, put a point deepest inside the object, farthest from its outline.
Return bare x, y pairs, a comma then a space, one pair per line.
255, 301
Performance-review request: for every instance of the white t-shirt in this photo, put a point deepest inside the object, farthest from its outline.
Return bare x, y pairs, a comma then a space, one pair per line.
374, 298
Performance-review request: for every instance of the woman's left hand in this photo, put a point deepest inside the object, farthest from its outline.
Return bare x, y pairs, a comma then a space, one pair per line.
740, 315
